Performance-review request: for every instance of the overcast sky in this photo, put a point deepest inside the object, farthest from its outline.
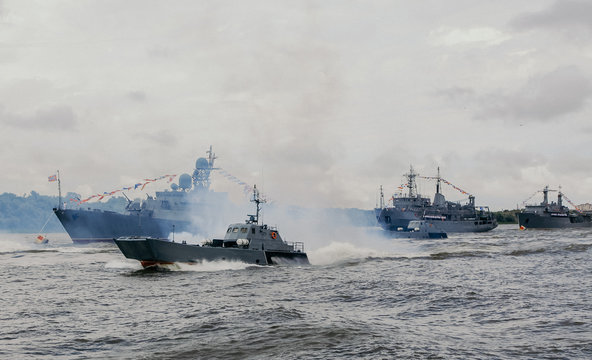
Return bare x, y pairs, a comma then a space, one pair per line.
318, 102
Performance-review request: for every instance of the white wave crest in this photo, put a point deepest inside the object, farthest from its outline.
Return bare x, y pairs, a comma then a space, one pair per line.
8, 247
206, 266
337, 252
123, 264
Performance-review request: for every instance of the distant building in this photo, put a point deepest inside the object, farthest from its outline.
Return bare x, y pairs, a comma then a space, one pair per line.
585, 207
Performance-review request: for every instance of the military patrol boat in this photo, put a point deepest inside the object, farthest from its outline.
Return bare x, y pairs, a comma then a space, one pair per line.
548, 215
448, 216
248, 242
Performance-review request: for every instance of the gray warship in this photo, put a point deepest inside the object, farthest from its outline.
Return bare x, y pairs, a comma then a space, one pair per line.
444, 215
248, 242
550, 215
190, 206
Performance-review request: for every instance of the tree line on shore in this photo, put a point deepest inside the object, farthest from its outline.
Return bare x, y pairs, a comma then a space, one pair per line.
32, 213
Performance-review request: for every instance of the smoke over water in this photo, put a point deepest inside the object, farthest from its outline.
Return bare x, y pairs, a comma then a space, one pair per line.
329, 236
211, 212
189, 238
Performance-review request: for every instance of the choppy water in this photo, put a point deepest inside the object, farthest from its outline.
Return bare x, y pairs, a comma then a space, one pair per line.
504, 294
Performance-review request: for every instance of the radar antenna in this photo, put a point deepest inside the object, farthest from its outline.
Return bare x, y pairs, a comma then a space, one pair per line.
211, 157
254, 219
411, 182
203, 167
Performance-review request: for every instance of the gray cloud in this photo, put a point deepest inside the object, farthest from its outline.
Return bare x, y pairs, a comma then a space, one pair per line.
491, 162
562, 14
319, 102
138, 96
56, 118
457, 94
543, 98
162, 137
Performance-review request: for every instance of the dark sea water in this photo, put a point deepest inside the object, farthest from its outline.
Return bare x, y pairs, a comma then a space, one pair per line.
506, 294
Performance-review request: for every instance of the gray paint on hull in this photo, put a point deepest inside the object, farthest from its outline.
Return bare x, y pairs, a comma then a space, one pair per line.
536, 221
159, 250
85, 226
399, 218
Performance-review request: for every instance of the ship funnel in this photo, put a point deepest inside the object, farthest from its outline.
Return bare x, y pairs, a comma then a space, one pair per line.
439, 199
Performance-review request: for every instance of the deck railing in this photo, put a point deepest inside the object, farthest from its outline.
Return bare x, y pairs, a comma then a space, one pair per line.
297, 246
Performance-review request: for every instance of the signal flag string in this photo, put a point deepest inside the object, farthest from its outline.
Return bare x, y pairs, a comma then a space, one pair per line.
247, 189
141, 184
447, 183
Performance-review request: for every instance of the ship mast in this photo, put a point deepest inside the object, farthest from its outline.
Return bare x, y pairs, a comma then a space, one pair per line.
438, 182
203, 167
59, 191
257, 200
381, 198
411, 182
211, 157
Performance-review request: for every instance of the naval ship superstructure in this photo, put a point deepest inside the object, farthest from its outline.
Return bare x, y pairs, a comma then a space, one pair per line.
190, 206
549, 215
447, 216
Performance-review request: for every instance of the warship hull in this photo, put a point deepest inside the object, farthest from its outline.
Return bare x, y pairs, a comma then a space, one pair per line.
408, 234
84, 226
392, 219
417, 229
151, 252
549, 221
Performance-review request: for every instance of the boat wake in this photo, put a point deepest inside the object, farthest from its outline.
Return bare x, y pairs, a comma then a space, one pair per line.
123, 264
340, 253
13, 246
85, 249
211, 266
204, 266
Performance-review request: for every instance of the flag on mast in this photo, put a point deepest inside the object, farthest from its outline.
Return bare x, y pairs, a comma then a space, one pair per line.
52, 178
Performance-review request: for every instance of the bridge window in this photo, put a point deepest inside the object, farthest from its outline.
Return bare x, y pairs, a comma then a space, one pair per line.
235, 230
243, 230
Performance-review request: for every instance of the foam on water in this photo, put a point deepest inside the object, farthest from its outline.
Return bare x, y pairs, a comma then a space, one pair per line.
206, 266
339, 252
83, 249
365, 247
10, 246
202, 266
123, 264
